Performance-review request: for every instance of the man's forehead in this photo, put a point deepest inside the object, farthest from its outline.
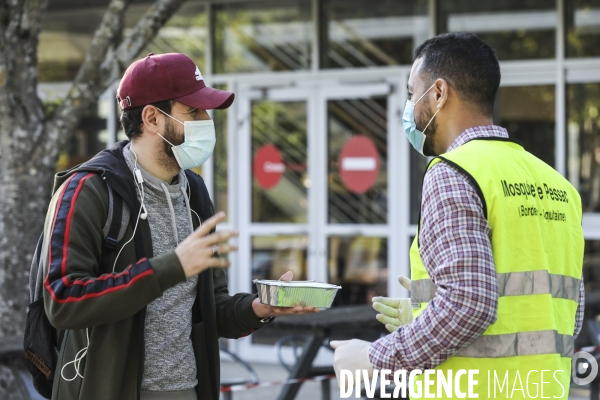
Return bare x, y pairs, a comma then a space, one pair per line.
414, 77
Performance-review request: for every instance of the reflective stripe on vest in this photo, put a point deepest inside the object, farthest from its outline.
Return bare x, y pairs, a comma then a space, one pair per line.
519, 344
512, 284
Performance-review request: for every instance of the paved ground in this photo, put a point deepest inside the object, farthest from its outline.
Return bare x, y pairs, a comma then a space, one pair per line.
309, 390
270, 373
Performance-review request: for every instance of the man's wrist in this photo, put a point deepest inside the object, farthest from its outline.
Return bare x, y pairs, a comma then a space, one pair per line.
259, 309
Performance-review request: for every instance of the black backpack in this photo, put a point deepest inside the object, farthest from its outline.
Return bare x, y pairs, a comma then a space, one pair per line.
42, 341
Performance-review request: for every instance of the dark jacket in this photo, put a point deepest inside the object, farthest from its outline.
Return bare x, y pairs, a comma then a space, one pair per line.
112, 305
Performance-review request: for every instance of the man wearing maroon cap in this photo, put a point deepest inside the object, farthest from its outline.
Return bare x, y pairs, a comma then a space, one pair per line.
132, 268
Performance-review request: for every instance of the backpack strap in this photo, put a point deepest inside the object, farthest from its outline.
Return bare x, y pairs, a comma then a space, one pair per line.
114, 228
36, 272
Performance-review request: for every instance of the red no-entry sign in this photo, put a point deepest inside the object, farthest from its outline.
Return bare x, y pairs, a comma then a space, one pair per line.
268, 166
359, 164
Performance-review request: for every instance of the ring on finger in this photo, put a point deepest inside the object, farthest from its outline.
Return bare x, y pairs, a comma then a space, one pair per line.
215, 250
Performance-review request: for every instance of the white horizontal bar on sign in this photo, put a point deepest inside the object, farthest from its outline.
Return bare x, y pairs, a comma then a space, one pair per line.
359, 164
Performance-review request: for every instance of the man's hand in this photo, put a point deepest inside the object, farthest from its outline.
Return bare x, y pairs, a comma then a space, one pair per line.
351, 355
264, 310
196, 252
395, 312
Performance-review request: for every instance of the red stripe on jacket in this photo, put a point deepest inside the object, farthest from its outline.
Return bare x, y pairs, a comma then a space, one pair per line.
63, 267
107, 276
62, 193
73, 299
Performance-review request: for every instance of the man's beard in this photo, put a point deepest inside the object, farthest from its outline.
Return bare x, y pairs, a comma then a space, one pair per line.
166, 158
431, 132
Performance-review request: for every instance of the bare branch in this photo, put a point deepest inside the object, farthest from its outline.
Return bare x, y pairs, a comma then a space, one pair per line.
20, 26
143, 33
85, 89
103, 66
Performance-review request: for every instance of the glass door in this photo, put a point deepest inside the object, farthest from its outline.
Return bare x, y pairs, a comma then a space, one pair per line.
313, 190
274, 190
361, 142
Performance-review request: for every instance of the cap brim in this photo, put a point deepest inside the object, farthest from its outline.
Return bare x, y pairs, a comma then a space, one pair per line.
208, 98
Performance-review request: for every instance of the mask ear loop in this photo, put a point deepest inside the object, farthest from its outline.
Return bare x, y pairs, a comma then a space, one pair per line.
431, 120
172, 145
423, 95
170, 116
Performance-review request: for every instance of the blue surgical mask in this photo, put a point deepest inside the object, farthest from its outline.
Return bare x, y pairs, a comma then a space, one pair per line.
198, 145
415, 136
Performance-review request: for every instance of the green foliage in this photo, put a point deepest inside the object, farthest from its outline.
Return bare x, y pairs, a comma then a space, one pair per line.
50, 107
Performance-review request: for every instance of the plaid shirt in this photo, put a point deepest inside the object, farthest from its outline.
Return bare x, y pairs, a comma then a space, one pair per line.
455, 245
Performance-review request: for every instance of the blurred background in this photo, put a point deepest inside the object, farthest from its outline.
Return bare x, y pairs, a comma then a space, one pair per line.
311, 164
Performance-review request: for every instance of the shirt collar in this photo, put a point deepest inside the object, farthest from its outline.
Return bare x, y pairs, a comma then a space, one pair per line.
478, 132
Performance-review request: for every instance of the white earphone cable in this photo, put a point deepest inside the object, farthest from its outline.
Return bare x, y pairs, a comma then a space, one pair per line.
137, 220
77, 361
189, 196
83, 352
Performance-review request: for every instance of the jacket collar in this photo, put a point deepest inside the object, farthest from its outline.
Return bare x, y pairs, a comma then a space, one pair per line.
110, 164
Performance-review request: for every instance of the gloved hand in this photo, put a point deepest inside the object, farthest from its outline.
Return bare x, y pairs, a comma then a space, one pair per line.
352, 355
395, 312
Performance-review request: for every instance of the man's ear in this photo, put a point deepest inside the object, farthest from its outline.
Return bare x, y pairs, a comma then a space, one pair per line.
441, 90
150, 118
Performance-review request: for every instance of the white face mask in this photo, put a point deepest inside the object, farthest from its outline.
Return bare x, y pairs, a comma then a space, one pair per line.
199, 142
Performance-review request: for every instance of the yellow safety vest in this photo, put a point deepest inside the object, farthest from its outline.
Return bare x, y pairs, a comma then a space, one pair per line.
537, 243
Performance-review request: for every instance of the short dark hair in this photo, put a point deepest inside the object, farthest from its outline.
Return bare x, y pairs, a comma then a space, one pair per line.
131, 119
467, 63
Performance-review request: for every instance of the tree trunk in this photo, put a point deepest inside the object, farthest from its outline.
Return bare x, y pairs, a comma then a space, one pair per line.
30, 144
23, 179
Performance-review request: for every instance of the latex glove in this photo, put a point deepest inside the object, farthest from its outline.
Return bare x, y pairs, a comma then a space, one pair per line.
352, 355
395, 312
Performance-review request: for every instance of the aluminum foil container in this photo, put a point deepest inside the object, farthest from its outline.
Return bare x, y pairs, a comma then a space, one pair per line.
296, 293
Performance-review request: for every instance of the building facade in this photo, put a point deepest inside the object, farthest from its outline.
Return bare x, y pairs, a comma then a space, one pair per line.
311, 163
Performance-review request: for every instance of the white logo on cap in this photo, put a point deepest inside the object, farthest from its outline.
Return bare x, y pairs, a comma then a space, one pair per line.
198, 74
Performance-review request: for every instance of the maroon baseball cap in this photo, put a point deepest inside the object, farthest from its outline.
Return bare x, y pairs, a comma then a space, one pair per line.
171, 76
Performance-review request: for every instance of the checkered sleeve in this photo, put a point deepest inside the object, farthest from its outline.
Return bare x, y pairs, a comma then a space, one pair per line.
580, 309
456, 249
